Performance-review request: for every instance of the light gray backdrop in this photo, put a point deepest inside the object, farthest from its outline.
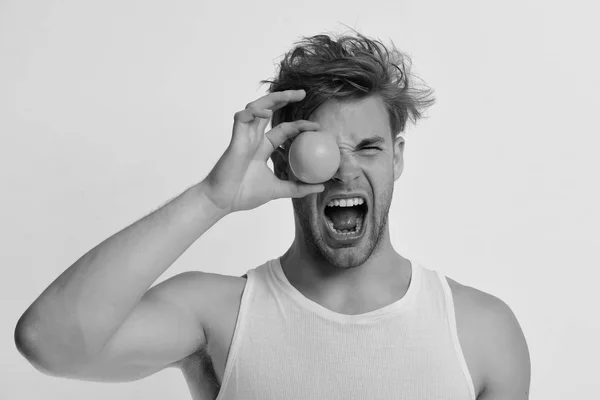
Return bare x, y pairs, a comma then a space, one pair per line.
108, 109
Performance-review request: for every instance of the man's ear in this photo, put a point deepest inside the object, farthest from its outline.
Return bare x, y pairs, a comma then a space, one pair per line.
398, 156
280, 163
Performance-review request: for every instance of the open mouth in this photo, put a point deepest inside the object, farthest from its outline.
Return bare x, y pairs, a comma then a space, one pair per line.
345, 218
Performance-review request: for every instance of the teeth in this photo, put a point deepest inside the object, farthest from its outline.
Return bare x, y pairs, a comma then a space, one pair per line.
358, 227
346, 202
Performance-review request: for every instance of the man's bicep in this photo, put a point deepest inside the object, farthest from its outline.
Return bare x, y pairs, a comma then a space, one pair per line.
163, 328
508, 363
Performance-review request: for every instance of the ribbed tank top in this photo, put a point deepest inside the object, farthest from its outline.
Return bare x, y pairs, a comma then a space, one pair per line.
286, 346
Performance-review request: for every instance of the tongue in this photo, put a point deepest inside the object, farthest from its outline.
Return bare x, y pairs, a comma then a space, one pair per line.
343, 217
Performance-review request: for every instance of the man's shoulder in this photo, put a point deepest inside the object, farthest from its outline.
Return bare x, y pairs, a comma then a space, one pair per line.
481, 307
475, 301
492, 336
207, 280
204, 293
483, 317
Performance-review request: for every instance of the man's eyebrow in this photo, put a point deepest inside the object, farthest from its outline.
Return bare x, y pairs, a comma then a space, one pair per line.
371, 141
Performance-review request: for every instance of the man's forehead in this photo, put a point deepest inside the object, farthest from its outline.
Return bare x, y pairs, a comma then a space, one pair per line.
354, 119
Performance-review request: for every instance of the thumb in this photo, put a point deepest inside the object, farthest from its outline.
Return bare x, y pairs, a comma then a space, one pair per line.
296, 190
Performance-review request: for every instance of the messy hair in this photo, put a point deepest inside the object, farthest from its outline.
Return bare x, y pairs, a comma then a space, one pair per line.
349, 67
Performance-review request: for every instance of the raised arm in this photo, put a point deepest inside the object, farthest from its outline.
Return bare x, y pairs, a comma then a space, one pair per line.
98, 320
105, 292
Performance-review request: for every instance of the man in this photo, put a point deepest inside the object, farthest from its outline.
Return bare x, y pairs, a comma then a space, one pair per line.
341, 315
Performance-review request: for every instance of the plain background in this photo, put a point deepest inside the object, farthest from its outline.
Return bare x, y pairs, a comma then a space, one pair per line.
109, 109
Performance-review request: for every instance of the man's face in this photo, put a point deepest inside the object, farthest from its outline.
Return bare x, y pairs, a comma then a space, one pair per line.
370, 163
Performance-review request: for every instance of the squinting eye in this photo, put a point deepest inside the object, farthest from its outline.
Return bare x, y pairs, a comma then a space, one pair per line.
370, 148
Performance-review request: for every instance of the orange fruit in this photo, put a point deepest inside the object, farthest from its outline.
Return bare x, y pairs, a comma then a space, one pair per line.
314, 157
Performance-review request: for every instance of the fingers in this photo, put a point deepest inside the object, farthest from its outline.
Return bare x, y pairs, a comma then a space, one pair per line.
287, 189
284, 131
276, 100
264, 107
249, 114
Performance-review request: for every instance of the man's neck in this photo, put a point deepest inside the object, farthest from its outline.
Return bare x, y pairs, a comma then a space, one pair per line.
371, 285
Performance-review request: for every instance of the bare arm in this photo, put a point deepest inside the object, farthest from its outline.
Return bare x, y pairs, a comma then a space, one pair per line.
99, 321
508, 362
493, 344
75, 317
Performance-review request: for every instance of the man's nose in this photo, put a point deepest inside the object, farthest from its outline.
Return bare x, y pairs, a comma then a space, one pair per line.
348, 169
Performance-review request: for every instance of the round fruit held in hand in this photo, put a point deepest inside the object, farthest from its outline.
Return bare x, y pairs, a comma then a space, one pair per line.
314, 157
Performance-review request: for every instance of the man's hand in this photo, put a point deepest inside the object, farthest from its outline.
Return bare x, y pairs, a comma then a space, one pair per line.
241, 179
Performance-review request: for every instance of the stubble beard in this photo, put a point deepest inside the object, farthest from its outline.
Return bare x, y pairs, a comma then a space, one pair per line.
351, 259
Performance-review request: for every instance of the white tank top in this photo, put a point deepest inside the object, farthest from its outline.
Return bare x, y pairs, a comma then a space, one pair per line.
287, 347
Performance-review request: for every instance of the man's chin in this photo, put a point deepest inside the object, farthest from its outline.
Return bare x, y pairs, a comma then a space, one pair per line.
345, 258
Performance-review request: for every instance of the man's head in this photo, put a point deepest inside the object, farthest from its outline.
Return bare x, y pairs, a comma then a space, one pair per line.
362, 94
